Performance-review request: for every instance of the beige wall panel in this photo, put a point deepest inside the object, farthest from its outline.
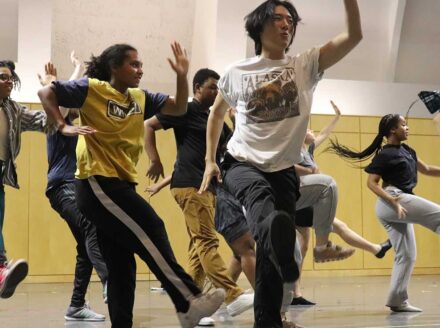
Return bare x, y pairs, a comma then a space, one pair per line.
345, 123
52, 248
373, 229
369, 124
428, 243
349, 205
16, 225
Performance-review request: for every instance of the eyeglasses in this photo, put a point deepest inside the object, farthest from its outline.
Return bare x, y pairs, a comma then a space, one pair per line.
6, 77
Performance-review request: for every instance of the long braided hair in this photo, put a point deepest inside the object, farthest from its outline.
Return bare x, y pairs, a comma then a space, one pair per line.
386, 124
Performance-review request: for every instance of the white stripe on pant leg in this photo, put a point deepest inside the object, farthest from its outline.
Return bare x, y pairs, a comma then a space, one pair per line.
119, 213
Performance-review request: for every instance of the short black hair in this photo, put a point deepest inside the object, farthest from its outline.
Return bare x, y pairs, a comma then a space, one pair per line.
255, 21
202, 75
11, 66
100, 67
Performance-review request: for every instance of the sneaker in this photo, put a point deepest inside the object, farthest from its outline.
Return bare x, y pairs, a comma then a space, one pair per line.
301, 301
11, 275
240, 304
104, 293
83, 313
206, 322
200, 307
405, 307
332, 253
384, 248
281, 239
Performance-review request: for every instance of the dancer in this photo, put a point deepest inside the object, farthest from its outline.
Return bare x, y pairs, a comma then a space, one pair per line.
304, 217
113, 109
198, 209
397, 208
60, 191
14, 119
272, 94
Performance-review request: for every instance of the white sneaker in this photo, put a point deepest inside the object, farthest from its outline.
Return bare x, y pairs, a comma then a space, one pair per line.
200, 307
240, 304
405, 307
83, 313
207, 322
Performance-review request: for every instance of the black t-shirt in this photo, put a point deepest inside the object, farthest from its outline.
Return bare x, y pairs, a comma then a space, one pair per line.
397, 165
190, 134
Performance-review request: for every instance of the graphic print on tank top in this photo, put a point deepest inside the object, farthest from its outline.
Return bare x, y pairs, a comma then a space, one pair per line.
271, 96
119, 111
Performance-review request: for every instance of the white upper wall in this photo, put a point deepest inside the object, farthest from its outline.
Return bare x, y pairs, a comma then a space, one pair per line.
399, 42
150, 26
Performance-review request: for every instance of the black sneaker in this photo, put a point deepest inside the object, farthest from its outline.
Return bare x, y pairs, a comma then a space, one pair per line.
301, 301
384, 248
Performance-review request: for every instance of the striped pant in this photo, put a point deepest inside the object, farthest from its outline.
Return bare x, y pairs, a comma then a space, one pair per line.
127, 225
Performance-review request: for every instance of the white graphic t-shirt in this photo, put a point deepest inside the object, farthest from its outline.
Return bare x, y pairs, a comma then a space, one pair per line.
273, 99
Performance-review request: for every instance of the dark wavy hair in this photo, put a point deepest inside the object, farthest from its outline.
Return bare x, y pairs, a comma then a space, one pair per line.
100, 67
386, 124
11, 66
255, 21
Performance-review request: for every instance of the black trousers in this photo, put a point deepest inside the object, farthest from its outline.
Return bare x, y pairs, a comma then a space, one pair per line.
88, 255
262, 194
128, 225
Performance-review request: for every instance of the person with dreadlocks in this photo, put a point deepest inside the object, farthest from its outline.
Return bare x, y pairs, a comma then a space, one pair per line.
397, 208
14, 119
113, 109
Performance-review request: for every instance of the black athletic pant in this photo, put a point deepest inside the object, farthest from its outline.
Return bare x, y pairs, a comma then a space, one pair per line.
262, 194
128, 225
62, 199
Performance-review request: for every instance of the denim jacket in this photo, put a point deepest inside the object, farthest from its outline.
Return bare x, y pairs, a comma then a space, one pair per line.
20, 119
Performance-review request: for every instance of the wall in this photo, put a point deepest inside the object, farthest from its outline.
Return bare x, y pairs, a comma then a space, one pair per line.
35, 232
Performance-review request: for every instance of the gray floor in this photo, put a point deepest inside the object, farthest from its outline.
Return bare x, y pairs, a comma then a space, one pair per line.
342, 302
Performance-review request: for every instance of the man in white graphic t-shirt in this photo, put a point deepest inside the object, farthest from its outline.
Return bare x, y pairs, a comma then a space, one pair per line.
273, 94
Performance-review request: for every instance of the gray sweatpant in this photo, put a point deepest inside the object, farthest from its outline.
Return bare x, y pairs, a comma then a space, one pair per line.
321, 192
401, 234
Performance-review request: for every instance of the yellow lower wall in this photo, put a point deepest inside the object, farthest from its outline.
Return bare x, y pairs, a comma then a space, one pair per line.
35, 232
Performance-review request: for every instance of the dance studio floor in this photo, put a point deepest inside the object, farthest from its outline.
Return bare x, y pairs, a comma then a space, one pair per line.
342, 302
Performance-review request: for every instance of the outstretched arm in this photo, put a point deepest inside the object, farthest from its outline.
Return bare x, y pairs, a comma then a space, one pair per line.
329, 128
178, 105
78, 65
156, 168
154, 189
341, 45
431, 170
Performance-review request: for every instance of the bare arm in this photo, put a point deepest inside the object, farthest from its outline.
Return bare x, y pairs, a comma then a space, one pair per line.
156, 168
178, 105
341, 45
154, 189
329, 128
78, 65
301, 170
50, 104
430, 170
214, 130
373, 184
